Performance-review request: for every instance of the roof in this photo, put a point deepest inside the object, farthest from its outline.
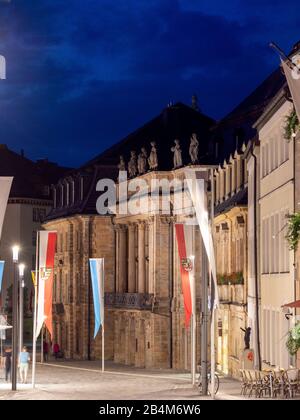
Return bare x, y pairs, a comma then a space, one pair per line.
237, 128
30, 178
238, 199
174, 122
177, 121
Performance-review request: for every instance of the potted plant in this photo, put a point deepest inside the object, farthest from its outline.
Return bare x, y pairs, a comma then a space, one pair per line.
293, 340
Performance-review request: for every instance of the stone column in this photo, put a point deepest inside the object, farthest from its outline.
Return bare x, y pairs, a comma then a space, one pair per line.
131, 259
141, 258
121, 261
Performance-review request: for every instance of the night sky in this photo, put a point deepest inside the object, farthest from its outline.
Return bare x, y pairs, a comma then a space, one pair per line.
82, 74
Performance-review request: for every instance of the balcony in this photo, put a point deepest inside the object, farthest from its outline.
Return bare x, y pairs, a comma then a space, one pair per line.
139, 301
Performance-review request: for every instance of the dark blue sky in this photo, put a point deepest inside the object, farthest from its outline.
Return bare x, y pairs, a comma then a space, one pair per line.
81, 74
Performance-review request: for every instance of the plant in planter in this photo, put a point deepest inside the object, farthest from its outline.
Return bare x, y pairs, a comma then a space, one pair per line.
291, 125
221, 280
293, 232
293, 340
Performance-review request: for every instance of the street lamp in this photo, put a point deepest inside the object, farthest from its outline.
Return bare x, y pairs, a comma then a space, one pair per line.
21, 304
15, 251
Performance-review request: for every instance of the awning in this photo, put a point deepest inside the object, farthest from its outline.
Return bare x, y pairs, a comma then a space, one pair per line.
295, 304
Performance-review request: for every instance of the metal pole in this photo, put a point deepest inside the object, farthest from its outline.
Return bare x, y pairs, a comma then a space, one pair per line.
103, 348
282, 55
42, 347
21, 308
194, 315
204, 321
15, 329
212, 325
35, 310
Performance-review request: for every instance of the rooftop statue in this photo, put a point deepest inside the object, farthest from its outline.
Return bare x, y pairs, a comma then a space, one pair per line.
177, 158
132, 164
194, 149
142, 161
153, 161
122, 164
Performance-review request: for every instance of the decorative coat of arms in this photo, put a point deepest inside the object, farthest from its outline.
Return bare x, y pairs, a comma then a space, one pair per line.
187, 264
45, 273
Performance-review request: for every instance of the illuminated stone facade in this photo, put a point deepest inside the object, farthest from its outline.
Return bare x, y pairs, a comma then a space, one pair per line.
230, 234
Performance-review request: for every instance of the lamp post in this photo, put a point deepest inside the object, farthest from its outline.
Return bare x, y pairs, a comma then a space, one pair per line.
21, 304
15, 251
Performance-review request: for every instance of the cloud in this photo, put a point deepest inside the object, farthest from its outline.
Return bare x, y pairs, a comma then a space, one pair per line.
87, 72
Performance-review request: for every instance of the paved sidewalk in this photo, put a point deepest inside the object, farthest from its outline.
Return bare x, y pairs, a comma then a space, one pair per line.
83, 380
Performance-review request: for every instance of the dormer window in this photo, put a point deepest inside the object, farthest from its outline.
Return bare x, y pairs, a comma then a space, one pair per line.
73, 191
67, 193
81, 188
61, 195
54, 198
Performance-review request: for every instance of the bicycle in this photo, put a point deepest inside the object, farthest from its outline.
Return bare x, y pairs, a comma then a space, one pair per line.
217, 381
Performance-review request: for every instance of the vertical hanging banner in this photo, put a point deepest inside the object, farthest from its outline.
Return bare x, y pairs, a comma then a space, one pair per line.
97, 278
1, 273
293, 80
185, 250
196, 187
47, 246
5, 186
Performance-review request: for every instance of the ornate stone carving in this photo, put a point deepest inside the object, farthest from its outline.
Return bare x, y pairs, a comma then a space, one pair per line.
122, 164
132, 164
153, 161
142, 161
194, 149
177, 158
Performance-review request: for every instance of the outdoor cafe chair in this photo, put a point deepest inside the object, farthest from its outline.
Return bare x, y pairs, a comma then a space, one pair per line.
291, 382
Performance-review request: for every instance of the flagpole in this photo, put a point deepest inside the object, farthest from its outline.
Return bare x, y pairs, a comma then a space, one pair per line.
35, 310
42, 347
212, 325
282, 54
103, 275
194, 316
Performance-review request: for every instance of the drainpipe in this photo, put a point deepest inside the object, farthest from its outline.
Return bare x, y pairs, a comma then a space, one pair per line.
171, 286
89, 292
255, 259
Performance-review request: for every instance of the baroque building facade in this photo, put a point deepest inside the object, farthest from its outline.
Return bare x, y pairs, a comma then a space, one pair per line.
144, 311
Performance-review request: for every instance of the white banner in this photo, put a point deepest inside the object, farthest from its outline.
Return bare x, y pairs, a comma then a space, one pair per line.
293, 79
5, 186
197, 192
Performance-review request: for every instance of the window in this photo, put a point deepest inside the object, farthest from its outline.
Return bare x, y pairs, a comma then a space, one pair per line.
46, 190
33, 263
275, 250
61, 195
54, 198
73, 192
34, 238
81, 188
38, 215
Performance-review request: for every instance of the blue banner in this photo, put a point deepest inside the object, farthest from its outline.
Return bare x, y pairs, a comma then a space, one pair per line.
1, 273
97, 277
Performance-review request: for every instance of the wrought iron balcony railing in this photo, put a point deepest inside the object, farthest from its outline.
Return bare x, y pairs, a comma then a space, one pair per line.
141, 301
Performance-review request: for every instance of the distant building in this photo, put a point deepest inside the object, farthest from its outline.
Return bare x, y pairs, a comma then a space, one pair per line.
29, 202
